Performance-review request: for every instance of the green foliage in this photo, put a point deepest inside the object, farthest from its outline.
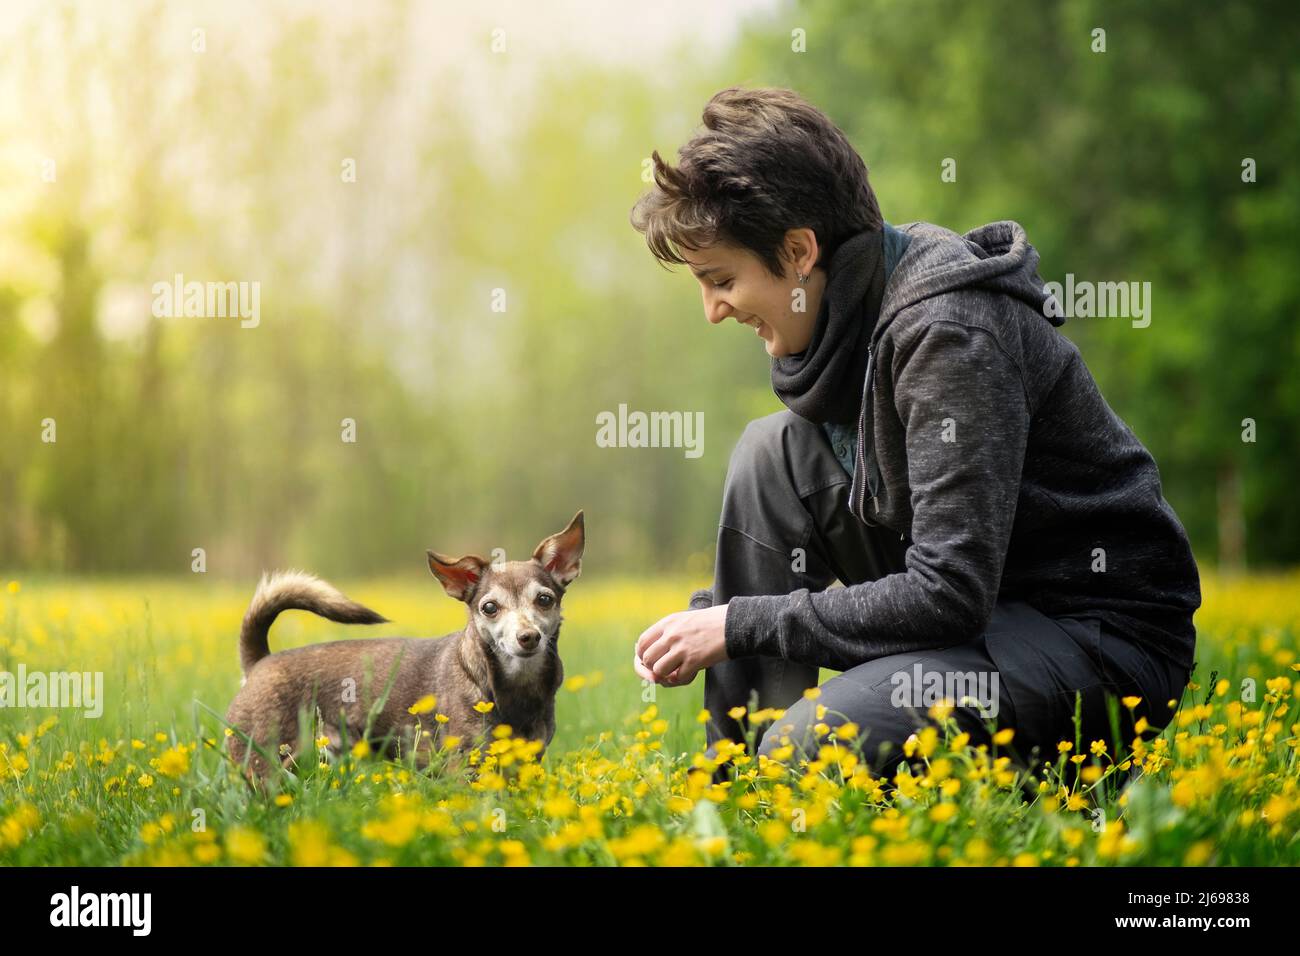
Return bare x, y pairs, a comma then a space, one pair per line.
476, 428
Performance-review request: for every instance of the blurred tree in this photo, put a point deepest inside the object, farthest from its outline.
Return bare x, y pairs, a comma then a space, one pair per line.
476, 427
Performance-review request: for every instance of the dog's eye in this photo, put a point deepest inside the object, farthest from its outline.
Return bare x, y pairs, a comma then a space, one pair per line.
545, 600
489, 608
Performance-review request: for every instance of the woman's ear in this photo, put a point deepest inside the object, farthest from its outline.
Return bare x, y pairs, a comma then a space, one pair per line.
802, 249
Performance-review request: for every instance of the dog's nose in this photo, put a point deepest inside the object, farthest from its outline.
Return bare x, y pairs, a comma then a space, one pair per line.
529, 639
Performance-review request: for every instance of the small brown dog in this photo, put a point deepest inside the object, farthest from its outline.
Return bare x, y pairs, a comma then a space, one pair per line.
507, 655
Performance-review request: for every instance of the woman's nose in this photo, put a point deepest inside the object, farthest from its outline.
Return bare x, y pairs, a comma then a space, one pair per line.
716, 310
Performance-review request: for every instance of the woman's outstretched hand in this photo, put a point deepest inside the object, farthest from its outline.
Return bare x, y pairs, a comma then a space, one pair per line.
675, 648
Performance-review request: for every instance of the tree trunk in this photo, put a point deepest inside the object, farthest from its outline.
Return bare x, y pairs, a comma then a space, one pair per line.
1231, 522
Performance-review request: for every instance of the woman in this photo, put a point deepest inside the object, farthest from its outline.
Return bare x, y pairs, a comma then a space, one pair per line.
945, 455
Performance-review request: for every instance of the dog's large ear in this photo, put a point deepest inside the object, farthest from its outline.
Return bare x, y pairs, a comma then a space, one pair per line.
561, 554
459, 576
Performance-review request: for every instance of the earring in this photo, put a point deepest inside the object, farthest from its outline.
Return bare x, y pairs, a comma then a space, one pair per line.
802, 276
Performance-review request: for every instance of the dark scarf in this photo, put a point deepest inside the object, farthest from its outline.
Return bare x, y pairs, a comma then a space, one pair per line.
823, 383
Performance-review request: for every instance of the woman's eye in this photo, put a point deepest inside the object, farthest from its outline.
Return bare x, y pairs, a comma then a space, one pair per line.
722, 285
545, 600
489, 608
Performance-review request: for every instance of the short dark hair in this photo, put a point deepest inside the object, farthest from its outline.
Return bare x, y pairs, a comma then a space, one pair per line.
766, 161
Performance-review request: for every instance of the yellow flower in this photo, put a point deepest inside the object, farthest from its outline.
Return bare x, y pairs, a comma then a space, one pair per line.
484, 706
174, 762
145, 781
14, 587
398, 830
1199, 853
941, 710
207, 853
245, 846
923, 742
424, 705
19, 825
309, 844
943, 812
1130, 702
703, 716
812, 693
1003, 736
283, 800
360, 749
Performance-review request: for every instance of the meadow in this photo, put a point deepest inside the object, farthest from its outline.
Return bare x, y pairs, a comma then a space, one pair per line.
624, 781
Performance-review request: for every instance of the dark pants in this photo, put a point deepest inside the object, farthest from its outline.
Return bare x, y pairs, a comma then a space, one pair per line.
784, 490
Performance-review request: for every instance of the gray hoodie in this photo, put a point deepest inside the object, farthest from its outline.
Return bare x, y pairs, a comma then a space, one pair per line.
985, 442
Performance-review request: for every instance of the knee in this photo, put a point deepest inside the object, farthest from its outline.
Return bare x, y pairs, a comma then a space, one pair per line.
761, 440
772, 444
788, 737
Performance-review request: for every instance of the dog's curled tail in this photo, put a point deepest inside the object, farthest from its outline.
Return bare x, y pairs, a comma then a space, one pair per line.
299, 591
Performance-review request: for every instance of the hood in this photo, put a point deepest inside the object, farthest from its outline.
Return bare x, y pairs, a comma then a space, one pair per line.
996, 257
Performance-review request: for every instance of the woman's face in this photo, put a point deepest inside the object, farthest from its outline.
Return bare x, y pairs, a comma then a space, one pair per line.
735, 284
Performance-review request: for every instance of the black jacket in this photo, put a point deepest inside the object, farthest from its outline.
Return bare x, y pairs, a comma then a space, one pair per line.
987, 445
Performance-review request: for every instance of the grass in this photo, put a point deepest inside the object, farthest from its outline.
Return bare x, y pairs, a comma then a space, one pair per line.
623, 782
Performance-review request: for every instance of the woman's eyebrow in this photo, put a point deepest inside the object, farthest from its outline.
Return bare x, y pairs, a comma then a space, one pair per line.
701, 273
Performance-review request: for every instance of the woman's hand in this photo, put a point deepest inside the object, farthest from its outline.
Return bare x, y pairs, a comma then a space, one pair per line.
677, 647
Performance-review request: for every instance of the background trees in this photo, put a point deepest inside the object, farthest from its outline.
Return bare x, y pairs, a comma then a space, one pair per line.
477, 427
